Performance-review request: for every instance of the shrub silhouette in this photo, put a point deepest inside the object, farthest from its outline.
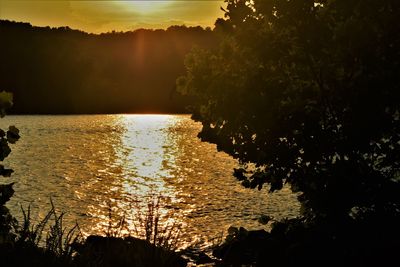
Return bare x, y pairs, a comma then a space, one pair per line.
7, 221
307, 93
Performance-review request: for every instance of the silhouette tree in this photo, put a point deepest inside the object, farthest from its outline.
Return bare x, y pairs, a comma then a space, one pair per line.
307, 93
7, 221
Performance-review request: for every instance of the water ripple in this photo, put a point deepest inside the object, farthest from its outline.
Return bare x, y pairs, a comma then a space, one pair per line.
91, 164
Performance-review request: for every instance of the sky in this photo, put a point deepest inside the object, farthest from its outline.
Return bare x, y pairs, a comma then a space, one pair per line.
105, 16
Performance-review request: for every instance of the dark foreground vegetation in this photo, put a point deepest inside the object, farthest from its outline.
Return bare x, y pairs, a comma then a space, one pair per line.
307, 93
60, 70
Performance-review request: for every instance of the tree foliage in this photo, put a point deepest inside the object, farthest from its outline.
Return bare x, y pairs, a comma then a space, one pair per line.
7, 221
60, 70
307, 93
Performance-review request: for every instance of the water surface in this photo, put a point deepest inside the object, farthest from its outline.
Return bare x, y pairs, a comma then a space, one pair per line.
93, 164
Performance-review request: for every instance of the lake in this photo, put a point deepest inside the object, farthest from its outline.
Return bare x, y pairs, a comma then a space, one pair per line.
94, 166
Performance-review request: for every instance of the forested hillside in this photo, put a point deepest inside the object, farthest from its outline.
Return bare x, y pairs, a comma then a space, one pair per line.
60, 70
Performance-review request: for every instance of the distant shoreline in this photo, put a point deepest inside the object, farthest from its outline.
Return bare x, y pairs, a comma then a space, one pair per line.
80, 114
64, 71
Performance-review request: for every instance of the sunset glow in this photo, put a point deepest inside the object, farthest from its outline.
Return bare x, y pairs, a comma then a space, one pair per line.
145, 7
106, 16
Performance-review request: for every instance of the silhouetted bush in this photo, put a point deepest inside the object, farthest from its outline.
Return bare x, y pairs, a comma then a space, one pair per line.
7, 222
308, 93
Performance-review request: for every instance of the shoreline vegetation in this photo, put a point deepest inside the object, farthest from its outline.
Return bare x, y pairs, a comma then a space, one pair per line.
50, 243
307, 94
304, 93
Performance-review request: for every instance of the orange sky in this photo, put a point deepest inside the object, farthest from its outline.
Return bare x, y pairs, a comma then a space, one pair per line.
104, 16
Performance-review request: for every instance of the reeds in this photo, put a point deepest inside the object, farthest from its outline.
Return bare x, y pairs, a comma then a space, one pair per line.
151, 241
58, 240
148, 222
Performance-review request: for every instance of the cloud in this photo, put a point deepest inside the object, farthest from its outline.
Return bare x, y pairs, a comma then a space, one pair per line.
42, 12
103, 16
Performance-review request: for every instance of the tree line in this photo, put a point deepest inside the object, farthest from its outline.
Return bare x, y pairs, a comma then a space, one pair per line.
60, 70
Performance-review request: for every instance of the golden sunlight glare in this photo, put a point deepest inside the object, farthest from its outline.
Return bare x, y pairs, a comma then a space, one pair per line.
145, 7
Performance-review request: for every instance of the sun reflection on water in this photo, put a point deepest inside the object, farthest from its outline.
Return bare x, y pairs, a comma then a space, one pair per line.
146, 163
100, 166
147, 155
